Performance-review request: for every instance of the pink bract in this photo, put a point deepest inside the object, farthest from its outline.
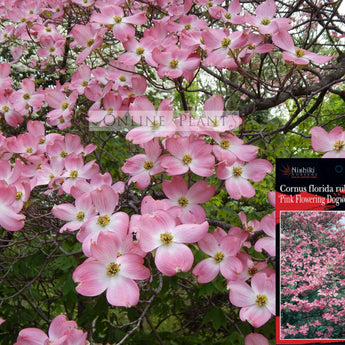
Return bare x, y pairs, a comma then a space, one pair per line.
159, 231
107, 271
258, 301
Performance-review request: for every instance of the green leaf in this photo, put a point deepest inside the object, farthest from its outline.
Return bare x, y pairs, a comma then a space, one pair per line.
217, 317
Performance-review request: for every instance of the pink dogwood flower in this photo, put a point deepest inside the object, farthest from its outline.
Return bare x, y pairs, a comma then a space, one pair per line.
230, 148
189, 199
76, 170
76, 215
297, 55
175, 62
105, 200
257, 301
122, 25
255, 339
9, 219
88, 36
5, 80
231, 15
215, 120
221, 44
51, 46
63, 107
237, 175
27, 97
61, 332
113, 108
268, 224
152, 124
188, 154
250, 268
142, 166
8, 112
136, 50
81, 79
107, 270
159, 231
333, 143
264, 18
250, 226
223, 249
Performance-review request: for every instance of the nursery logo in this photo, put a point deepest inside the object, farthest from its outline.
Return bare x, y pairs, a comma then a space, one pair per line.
286, 170
299, 172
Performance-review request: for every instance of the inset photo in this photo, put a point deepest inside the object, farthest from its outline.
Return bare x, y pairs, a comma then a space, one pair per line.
312, 275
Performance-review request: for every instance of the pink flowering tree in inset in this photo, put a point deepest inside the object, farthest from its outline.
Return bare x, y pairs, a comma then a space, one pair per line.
312, 275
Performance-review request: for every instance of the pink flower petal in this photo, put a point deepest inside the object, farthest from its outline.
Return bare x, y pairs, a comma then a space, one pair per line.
241, 294
206, 270
173, 258
123, 292
92, 278
190, 233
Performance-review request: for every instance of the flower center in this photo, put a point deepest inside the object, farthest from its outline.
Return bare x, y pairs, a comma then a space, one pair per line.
103, 220
148, 165
187, 26
140, 51
117, 19
173, 63
218, 257
80, 215
26, 96
5, 108
166, 238
252, 271
250, 228
299, 52
338, 145
155, 124
64, 105
182, 201
90, 42
261, 300
110, 111
237, 171
28, 150
225, 42
63, 154
42, 141
224, 144
228, 16
113, 269
265, 21
122, 78
52, 49
84, 83
19, 195
187, 159
73, 174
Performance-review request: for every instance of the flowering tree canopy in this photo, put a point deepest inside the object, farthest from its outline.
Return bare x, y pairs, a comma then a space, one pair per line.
136, 158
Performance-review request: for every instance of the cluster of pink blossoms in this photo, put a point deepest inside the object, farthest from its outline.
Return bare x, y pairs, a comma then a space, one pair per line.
61, 332
176, 46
